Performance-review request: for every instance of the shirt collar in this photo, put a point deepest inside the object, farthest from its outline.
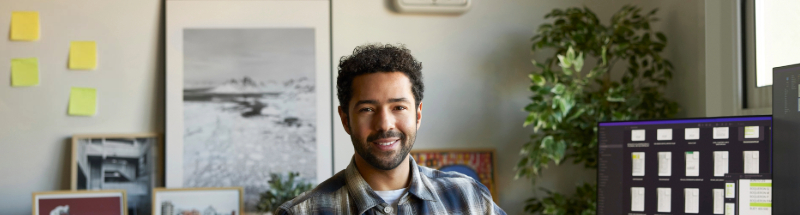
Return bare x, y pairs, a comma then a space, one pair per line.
418, 186
366, 198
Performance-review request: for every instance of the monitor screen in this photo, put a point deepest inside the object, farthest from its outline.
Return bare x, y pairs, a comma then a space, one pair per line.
786, 110
679, 166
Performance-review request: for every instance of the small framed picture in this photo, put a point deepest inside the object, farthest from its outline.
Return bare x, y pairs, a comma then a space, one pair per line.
132, 162
476, 163
217, 200
110, 202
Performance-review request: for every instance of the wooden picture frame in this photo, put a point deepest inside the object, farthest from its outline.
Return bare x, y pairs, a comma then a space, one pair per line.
442, 158
137, 168
195, 191
272, 100
36, 198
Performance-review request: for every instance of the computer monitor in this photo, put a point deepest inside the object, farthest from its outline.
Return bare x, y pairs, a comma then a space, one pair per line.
680, 166
786, 110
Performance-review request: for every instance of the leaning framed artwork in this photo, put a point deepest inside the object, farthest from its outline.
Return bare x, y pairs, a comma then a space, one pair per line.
248, 93
131, 162
223, 200
476, 163
107, 202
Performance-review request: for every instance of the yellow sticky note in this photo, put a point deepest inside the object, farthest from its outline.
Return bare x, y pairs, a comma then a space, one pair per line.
25, 25
83, 55
24, 72
82, 101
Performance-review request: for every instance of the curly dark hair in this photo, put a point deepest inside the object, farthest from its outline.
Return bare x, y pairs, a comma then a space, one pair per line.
373, 58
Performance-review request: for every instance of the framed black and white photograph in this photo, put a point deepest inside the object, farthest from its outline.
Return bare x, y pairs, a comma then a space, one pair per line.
206, 201
130, 162
248, 93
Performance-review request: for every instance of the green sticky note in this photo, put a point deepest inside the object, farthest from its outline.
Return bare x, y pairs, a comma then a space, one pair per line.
82, 101
24, 72
83, 55
24, 25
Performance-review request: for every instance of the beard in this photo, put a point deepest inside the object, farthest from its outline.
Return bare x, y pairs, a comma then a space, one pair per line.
387, 160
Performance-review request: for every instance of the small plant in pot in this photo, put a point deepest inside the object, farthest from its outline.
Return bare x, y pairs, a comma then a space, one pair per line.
281, 189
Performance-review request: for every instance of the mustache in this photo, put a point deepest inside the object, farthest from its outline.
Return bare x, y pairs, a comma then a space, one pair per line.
386, 134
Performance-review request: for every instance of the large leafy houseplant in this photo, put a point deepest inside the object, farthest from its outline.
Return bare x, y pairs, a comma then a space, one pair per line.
568, 101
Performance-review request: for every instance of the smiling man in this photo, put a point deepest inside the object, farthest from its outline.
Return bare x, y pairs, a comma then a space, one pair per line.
380, 91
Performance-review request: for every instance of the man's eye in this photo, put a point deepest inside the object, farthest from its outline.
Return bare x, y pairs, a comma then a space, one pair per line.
400, 108
365, 109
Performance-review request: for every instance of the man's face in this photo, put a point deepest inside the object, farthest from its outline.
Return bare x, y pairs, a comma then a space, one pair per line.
382, 120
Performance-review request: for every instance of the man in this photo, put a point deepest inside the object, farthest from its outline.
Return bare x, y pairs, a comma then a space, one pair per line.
380, 91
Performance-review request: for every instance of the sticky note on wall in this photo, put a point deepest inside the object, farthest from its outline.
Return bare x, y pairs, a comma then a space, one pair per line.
24, 26
82, 101
24, 72
83, 55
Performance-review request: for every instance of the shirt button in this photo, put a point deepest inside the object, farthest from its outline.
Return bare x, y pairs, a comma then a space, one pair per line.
387, 210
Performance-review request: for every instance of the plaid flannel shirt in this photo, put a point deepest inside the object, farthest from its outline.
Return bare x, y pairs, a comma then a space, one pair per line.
430, 192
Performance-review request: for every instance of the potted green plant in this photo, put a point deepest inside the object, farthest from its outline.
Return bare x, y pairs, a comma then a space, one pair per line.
281, 190
568, 101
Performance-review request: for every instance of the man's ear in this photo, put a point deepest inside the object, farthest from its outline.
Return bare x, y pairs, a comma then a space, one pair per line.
343, 117
419, 114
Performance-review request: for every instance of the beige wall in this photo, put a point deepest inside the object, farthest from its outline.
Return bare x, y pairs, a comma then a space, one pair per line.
34, 126
475, 68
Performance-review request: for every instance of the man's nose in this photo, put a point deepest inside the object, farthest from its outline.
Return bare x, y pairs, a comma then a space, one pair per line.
385, 120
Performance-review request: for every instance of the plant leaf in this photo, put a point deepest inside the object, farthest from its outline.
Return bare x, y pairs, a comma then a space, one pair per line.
661, 37
565, 103
578, 63
558, 89
537, 79
564, 62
